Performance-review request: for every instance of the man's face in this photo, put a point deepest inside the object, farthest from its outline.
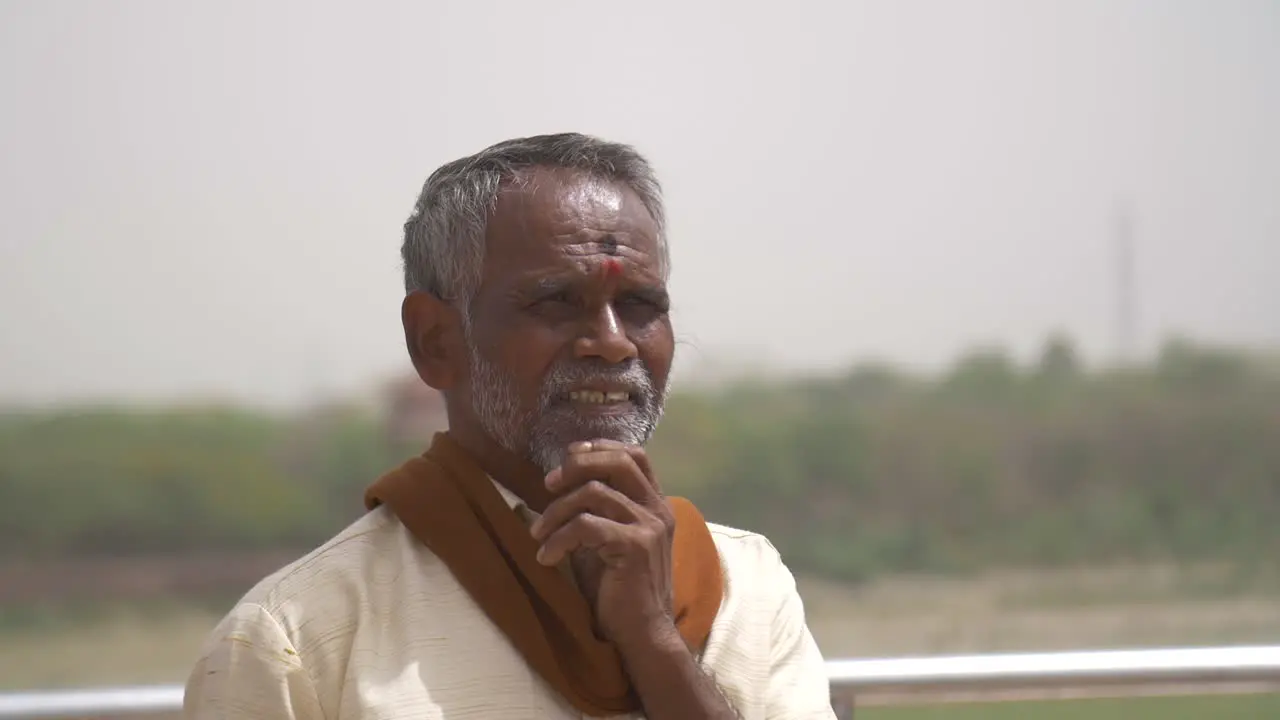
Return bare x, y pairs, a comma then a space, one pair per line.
569, 333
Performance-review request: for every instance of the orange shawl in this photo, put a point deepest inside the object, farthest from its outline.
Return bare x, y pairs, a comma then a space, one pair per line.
451, 506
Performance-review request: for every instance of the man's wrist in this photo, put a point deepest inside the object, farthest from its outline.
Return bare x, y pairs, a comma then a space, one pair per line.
667, 677
654, 637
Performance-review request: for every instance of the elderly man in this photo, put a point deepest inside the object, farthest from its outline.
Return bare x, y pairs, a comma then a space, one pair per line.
528, 564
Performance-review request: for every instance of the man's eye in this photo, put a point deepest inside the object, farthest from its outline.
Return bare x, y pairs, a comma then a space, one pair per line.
555, 298
642, 301
556, 301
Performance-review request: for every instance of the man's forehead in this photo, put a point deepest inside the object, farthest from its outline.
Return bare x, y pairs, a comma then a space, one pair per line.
562, 207
591, 193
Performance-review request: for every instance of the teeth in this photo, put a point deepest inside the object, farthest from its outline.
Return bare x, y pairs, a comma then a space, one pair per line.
595, 396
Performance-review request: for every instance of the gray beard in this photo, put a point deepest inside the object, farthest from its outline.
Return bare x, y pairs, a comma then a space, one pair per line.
542, 434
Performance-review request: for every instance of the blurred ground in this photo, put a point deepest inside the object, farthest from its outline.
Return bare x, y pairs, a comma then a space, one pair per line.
1119, 607
1246, 707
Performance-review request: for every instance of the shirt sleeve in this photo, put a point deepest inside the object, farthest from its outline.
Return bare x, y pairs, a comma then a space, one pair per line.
250, 669
798, 685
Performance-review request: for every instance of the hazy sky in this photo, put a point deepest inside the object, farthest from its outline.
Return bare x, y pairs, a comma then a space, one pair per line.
210, 200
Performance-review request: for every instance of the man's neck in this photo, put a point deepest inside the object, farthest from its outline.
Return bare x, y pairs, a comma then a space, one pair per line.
515, 473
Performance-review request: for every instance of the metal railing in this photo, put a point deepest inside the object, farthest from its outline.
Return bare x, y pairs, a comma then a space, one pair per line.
870, 681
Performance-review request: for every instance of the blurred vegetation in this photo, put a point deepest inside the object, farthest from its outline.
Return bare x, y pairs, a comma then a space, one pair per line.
989, 464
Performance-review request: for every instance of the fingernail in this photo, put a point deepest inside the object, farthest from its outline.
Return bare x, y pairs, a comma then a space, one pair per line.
542, 555
580, 447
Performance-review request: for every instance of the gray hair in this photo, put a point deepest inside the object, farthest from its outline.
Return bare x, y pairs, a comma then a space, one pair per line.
443, 250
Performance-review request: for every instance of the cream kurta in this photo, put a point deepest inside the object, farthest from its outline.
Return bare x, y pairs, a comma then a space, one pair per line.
372, 626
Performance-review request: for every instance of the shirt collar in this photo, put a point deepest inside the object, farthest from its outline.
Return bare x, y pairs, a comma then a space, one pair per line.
528, 516
514, 502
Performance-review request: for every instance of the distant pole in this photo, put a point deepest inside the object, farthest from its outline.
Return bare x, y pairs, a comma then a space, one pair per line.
1125, 321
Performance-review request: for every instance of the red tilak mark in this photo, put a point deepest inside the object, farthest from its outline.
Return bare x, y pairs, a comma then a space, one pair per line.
612, 268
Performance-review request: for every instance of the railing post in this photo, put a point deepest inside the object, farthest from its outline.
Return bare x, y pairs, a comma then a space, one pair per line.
843, 705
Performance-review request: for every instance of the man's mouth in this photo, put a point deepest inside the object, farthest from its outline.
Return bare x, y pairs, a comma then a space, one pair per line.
599, 397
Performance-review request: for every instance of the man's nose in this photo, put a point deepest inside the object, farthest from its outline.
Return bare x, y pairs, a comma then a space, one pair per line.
605, 338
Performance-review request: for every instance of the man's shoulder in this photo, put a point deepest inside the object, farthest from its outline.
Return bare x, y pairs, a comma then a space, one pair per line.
342, 559
737, 538
744, 550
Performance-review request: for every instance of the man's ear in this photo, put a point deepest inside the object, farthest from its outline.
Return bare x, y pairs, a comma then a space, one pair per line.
433, 336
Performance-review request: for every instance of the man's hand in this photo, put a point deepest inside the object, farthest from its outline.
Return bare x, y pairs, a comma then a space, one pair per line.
611, 520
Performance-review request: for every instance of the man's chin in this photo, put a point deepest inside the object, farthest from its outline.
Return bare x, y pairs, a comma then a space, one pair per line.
557, 434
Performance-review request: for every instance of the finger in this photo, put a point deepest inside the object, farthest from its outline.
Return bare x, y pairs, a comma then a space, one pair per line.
616, 468
581, 531
641, 459
636, 452
587, 446
595, 498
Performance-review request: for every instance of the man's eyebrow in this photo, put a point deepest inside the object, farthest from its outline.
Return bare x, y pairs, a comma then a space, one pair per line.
556, 283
